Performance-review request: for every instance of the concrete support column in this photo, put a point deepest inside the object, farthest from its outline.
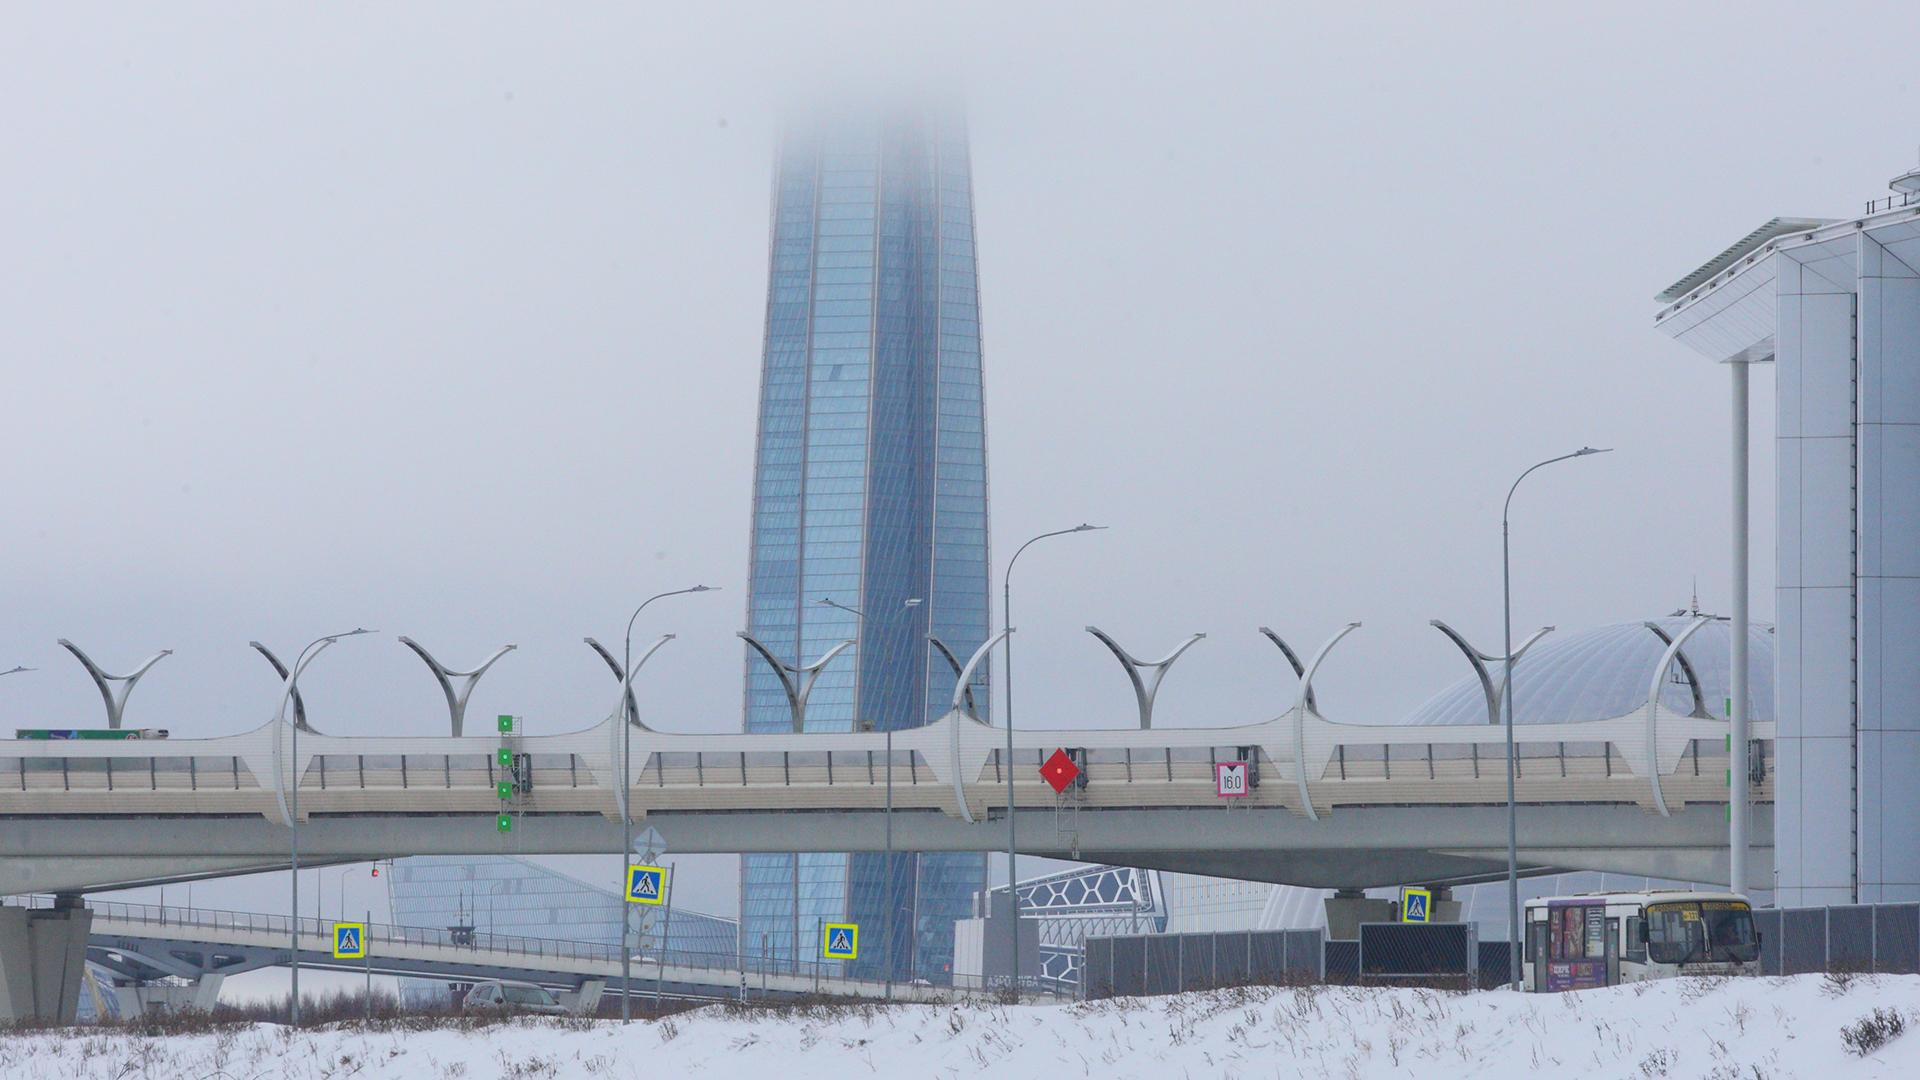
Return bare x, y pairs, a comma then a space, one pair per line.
206, 992
1815, 794
1445, 907
1888, 618
584, 1001
43, 956
1348, 908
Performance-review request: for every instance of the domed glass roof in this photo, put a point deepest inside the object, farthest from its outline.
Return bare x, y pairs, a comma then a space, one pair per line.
1603, 672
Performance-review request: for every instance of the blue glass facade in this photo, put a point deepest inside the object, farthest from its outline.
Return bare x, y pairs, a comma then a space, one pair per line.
870, 489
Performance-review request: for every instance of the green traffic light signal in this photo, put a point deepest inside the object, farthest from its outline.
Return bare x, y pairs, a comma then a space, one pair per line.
504, 789
504, 822
505, 757
506, 725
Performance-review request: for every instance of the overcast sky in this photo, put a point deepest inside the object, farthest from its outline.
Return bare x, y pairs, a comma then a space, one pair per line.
445, 320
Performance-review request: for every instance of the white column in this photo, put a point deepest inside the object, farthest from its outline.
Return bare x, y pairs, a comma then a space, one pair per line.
1737, 677
1814, 820
1889, 574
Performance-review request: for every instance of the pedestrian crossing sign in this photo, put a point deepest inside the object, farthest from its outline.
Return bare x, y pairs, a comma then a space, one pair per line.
646, 885
1416, 905
840, 941
349, 941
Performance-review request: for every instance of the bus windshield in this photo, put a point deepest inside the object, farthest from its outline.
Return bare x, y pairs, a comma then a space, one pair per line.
1701, 932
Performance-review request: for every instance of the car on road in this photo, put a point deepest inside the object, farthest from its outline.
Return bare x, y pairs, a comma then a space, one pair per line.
507, 996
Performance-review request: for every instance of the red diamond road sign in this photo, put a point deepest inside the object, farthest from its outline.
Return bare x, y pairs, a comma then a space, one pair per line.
1059, 771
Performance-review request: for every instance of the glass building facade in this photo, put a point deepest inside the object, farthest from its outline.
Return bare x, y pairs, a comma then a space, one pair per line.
870, 489
503, 894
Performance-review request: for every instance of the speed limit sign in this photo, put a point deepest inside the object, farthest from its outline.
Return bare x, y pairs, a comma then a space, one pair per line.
1230, 779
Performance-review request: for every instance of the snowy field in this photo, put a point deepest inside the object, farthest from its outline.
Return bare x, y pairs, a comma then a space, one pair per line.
1749, 1028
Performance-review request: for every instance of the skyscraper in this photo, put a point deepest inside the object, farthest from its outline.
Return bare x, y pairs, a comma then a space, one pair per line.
870, 489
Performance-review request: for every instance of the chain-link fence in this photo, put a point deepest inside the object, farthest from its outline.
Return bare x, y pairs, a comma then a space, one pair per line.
1879, 938
1171, 963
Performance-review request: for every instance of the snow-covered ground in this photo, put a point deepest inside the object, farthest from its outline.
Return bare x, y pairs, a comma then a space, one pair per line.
1748, 1028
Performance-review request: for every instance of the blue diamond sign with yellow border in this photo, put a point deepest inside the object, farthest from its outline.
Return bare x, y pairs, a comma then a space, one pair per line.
349, 941
840, 941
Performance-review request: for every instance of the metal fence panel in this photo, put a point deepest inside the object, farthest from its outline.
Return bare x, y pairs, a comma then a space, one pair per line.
1196, 961
1269, 956
1766, 923
1803, 941
1163, 965
1096, 968
1405, 953
1494, 972
1850, 938
1231, 958
1343, 960
1896, 939
1306, 955
1129, 966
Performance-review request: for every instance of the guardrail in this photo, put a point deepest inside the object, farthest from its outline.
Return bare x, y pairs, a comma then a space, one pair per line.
499, 945
728, 968
1893, 202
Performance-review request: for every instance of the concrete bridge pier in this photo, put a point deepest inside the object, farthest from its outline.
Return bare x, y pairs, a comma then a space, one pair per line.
1348, 908
584, 1001
143, 999
43, 958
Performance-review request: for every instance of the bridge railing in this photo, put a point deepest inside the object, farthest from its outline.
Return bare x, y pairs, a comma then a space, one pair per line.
316, 933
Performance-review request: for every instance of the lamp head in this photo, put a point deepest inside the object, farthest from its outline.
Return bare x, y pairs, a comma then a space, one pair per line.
1084, 527
1585, 450
705, 588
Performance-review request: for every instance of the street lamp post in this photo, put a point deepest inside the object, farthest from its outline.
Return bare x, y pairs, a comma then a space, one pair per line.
626, 808
887, 874
307, 655
1006, 626
1506, 699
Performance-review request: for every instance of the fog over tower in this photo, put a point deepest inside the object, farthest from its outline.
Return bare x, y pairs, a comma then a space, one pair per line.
870, 489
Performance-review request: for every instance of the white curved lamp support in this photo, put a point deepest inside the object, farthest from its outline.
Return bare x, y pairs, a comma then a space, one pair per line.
963, 681
1700, 711
1480, 660
1653, 708
291, 755
1300, 717
280, 669
287, 690
1145, 689
615, 731
963, 691
796, 691
116, 699
954, 663
456, 701
633, 708
1293, 658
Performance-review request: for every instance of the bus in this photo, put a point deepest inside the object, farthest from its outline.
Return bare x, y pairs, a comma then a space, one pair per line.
1604, 939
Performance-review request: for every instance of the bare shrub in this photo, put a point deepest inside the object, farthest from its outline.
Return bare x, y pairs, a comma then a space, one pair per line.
1872, 1031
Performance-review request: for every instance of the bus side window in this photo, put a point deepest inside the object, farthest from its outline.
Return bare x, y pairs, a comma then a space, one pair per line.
1636, 949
